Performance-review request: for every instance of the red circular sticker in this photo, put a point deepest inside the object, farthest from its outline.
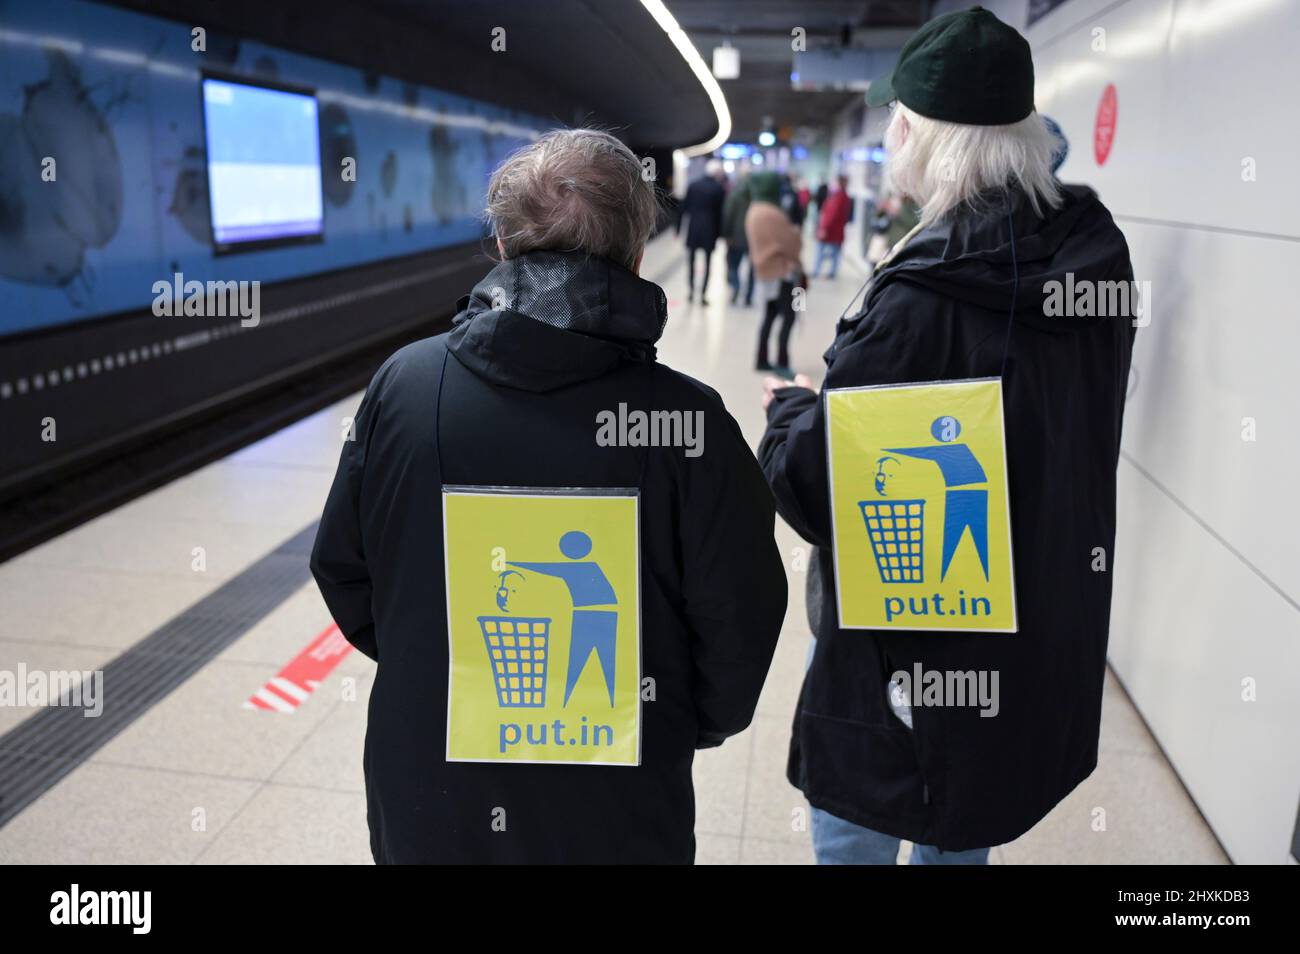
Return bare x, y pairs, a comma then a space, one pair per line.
1103, 135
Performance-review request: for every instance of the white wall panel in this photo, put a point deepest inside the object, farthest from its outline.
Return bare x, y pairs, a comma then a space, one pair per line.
1191, 622
1233, 73
1207, 590
1071, 76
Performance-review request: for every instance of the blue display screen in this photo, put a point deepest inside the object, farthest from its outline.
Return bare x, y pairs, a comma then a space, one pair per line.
263, 152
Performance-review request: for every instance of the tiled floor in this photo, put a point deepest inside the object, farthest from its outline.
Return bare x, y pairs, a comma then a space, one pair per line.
199, 778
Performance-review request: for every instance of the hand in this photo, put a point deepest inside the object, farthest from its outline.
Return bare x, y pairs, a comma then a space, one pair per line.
773, 384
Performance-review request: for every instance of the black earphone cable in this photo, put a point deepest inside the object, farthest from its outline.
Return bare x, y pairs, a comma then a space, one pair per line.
1015, 289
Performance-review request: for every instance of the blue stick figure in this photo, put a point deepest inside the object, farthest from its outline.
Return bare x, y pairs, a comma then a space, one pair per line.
593, 629
962, 507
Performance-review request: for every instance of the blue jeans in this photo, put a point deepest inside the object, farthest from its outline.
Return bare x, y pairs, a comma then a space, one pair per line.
840, 842
824, 249
735, 256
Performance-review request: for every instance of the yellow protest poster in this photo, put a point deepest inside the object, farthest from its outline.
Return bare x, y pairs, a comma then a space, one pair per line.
543, 625
919, 507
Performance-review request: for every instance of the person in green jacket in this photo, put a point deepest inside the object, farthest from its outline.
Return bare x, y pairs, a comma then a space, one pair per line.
903, 221
733, 230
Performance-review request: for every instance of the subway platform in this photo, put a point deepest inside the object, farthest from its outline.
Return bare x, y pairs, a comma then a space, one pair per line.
239, 737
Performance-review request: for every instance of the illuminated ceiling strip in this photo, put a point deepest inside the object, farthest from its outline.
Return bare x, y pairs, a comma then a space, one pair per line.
668, 23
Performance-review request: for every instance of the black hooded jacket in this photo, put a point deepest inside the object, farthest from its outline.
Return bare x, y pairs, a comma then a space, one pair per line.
702, 208
510, 397
939, 310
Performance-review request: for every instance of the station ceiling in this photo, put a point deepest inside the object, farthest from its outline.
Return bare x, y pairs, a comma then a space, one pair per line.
576, 61
573, 61
761, 30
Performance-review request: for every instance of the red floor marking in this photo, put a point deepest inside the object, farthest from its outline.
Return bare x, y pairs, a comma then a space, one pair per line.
292, 685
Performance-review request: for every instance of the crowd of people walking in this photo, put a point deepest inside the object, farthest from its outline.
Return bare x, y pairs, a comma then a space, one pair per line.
761, 217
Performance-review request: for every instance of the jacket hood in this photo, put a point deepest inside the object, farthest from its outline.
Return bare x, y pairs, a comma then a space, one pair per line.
968, 255
545, 320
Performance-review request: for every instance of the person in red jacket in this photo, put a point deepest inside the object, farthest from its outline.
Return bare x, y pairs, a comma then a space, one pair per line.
834, 217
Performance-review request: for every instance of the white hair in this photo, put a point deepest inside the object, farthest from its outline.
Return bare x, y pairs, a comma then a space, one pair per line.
573, 190
713, 168
943, 165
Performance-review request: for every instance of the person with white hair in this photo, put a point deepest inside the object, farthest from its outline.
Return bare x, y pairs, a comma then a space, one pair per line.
552, 345
702, 211
964, 296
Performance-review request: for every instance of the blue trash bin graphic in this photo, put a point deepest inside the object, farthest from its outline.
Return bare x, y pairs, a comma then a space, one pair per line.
517, 647
897, 531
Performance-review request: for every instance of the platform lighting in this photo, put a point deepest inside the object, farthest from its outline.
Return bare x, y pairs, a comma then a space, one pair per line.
668, 23
726, 62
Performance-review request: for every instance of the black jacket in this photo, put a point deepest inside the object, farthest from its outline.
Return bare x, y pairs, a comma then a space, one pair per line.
510, 397
702, 207
939, 311
733, 217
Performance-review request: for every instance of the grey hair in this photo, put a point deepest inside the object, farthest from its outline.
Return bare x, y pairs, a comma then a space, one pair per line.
943, 165
573, 190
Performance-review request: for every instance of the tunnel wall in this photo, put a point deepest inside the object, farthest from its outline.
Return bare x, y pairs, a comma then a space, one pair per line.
113, 98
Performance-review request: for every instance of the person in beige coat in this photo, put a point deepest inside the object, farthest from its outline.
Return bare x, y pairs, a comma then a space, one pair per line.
774, 249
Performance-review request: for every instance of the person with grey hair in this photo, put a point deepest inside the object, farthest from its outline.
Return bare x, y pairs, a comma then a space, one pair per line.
553, 344
964, 296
